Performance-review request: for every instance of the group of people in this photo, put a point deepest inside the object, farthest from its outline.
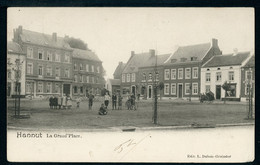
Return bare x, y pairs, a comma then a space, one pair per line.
116, 101
58, 102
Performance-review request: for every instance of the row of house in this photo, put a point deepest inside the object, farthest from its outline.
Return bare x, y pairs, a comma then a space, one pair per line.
187, 72
51, 67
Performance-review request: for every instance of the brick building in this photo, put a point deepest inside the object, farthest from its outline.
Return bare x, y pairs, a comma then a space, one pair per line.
87, 73
182, 69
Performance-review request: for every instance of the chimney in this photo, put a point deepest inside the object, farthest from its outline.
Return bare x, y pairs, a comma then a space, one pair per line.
235, 51
214, 42
54, 37
120, 63
132, 53
152, 52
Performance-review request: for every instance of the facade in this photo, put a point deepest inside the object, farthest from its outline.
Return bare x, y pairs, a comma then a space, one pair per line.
113, 85
221, 69
48, 63
129, 78
182, 69
87, 73
16, 64
151, 74
248, 79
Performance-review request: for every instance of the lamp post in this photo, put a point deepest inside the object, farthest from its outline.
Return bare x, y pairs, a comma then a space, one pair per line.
155, 84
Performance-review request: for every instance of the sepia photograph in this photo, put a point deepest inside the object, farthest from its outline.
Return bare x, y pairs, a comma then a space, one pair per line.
128, 84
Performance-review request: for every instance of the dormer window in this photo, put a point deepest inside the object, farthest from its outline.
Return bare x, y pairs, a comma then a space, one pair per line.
193, 58
173, 60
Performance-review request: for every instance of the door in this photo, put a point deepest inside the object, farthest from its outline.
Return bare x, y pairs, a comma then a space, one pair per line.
133, 90
218, 92
8, 89
149, 91
180, 91
66, 89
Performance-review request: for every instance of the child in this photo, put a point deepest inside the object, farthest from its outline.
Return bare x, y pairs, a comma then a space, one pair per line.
78, 101
102, 110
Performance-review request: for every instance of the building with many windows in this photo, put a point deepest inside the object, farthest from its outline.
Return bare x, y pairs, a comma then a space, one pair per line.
182, 69
224, 68
87, 73
16, 64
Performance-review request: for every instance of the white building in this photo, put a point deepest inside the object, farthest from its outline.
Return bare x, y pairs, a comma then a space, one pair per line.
224, 68
15, 61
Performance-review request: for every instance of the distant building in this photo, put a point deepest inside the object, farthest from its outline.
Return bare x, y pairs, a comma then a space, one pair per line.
113, 85
224, 68
16, 64
87, 73
129, 78
182, 69
119, 69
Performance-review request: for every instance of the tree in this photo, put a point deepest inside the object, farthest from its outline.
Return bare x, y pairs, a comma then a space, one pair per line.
76, 43
161, 87
226, 87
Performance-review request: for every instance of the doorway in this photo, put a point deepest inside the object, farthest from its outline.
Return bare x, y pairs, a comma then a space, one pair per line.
66, 89
133, 90
218, 92
180, 90
8, 89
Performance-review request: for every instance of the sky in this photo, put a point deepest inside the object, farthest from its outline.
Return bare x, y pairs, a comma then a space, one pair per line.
112, 33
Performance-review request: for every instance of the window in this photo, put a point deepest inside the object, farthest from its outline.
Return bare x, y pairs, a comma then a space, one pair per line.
128, 78
80, 78
57, 88
48, 71
57, 57
48, 88
49, 56
180, 73
157, 76
67, 73
87, 79
75, 78
80, 67
173, 74
133, 77
57, 72
173, 89
87, 68
28, 87
92, 68
29, 52
75, 89
67, 57
231, 76
29, 68
150, 77
81, 90
98, 71
195, 88
187, 73
9, 74
40, 87
166, 74
249, 75
195, 72
40, 55
166, 89
97, 80
207, 77
144, 77
123, 77
218, 76
207, 88
92, 79
75, 66
232, 91
187, 88
40, 70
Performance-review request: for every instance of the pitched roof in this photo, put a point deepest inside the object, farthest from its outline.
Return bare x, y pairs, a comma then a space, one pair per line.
85, 54
198, 51
14, 47
152, 61
227, 60
136, 61
28, 36
251, 62
115, 81
119, 69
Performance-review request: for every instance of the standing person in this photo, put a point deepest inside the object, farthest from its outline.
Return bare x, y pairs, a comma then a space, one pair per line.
78, 100
114, 98
69, 102
90, 101
55, 102
133, 101
59, 101
51, 102
64, 101
119, 101
107, 97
